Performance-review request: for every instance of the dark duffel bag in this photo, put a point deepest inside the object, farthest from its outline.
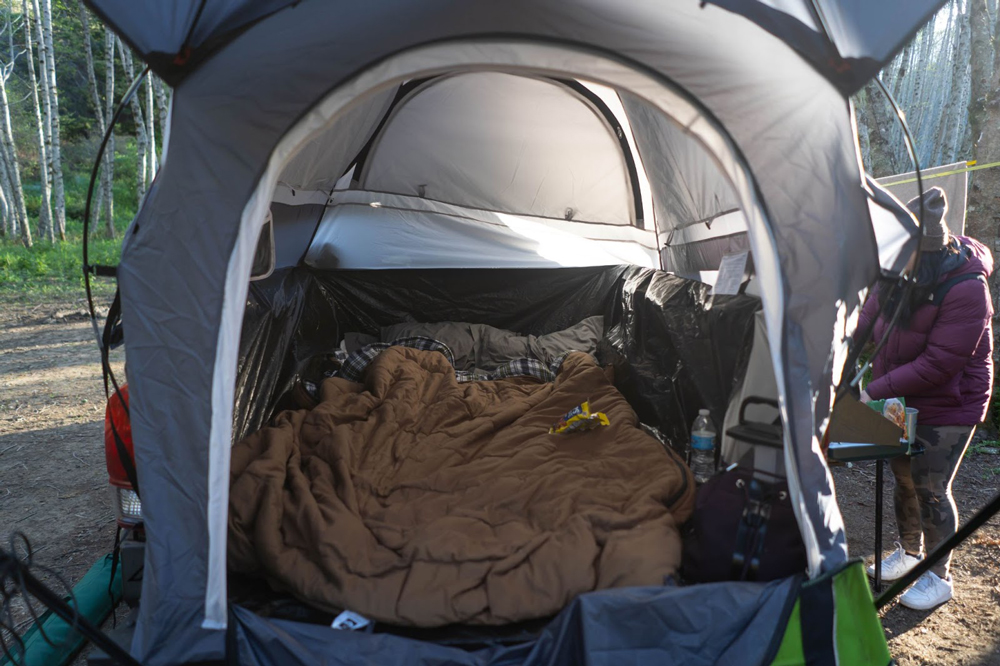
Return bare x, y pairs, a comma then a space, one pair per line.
743, 528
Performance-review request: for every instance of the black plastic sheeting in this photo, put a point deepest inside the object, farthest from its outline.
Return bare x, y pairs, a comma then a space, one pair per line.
675, 348
728, 624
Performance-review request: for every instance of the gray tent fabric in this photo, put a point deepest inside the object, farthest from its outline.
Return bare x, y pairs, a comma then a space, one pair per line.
161, 32
688, 187
863, 33
780, 133
710, 625
375, 230
456, 138
894, 226
848, 41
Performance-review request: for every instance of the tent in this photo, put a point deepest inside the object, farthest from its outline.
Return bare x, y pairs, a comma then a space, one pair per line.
525, 136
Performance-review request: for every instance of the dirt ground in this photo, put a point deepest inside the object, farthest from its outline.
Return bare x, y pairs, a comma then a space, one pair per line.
53, 486
966, 630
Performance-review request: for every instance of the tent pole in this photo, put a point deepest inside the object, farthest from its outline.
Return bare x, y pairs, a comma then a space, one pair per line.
908, 285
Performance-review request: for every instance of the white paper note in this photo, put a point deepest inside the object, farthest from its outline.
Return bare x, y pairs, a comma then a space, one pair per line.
730, 274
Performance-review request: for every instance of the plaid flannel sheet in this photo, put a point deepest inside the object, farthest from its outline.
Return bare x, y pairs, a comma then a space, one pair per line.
354, 365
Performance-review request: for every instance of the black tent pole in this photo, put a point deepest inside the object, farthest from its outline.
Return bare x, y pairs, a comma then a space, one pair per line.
949, 544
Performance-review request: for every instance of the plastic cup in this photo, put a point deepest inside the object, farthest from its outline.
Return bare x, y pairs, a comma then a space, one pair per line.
911, 426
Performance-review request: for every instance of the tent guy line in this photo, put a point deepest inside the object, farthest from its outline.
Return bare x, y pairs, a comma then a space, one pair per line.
972, 167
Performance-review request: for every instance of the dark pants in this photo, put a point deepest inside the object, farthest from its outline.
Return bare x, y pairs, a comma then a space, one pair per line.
925, 508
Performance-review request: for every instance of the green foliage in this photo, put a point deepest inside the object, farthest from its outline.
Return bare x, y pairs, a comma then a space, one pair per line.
51, 268
76, 178
988, 447
56, 269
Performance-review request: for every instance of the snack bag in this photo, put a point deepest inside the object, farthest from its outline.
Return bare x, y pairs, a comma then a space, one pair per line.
579, 419
893, 409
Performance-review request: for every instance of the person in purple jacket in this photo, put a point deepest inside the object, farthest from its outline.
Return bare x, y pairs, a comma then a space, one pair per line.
939, 357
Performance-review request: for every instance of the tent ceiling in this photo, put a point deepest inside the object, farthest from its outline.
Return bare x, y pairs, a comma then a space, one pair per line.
500, 142
688, 188
319, 164
505, 143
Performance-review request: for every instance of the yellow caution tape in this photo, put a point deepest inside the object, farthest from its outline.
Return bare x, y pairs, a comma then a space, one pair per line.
971, 167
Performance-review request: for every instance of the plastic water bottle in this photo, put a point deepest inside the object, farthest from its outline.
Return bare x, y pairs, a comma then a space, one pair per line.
702, 447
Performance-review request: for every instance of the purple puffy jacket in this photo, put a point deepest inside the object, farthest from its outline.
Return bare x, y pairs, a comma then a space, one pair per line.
942, 363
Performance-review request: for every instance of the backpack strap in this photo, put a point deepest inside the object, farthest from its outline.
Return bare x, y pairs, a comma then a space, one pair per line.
942, 289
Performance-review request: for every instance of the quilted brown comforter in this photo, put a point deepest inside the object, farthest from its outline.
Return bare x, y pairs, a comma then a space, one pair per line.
417, 500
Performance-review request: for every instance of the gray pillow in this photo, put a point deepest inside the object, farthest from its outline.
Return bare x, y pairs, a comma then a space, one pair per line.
582, 336
462, 338
486, 347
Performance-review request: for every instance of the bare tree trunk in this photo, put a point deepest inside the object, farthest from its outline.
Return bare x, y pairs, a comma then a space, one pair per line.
109, 109
7, 227
46, 93
162, 107
955, 119
95, 100
150, 128
946, 94
95, 95
57, 174
879, 127
45, 226
8, 148
140, 126
915, 106
864, 140
904, 63
8, 194
983, 218
981, 64
10, 157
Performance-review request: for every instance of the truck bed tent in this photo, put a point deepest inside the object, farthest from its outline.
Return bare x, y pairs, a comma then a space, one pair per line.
521, 136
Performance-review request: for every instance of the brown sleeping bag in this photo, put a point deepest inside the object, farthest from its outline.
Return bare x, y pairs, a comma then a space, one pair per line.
417, 500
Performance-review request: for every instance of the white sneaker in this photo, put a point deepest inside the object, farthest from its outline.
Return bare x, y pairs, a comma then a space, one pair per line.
929, 591
896, 565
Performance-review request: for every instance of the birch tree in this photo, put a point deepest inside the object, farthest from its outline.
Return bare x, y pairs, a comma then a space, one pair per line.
46, 92
109, 109
140, 125
8, 196
150, 131
45, 226
95, 100
162, 106
11, 172
9, 150
57, 174
7, 226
